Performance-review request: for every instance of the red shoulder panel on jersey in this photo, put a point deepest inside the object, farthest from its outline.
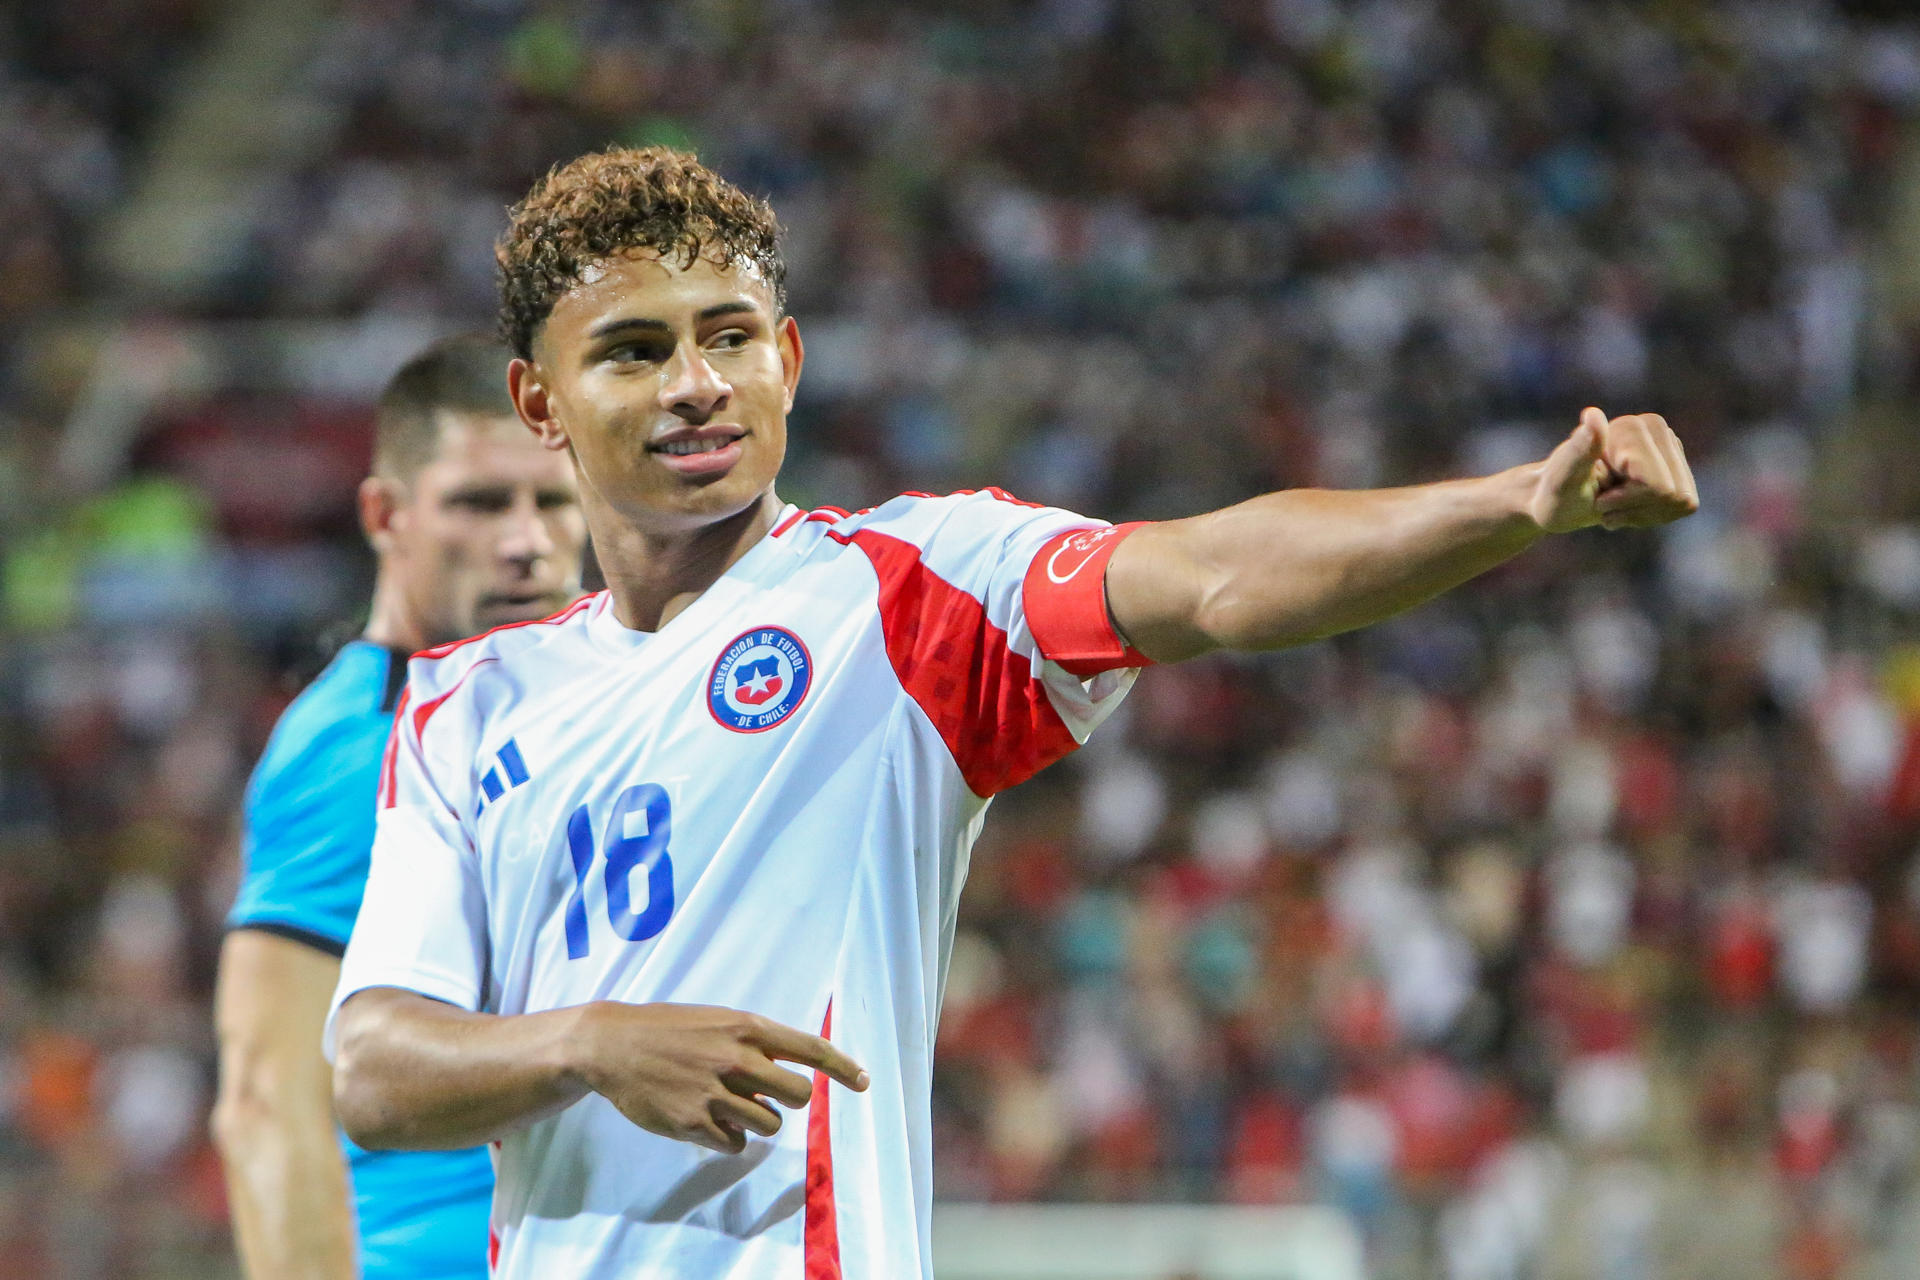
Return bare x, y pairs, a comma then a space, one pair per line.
956, 664
1065, 594
442, 650
424, 712
822, 1230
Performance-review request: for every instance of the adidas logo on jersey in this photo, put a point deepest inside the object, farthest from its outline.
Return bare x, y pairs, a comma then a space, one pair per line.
515, 768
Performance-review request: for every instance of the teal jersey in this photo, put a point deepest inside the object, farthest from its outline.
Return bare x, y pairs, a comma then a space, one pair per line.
309, 831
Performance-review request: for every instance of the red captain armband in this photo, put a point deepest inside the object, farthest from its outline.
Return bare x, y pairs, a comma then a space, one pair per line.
1065, 594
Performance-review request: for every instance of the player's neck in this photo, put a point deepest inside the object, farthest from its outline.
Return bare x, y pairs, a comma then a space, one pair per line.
391, 621
654, 576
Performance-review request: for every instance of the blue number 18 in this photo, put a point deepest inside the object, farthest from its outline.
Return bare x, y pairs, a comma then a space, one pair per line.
645, 803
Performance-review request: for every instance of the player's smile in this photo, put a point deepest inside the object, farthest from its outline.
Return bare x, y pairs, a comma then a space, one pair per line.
699, 451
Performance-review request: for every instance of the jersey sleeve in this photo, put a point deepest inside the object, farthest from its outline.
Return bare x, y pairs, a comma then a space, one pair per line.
994, 612
423, 922
307, 825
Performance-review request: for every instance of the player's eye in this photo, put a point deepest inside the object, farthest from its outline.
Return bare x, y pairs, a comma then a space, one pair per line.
637, 353
555, 501
731, 340
480, 501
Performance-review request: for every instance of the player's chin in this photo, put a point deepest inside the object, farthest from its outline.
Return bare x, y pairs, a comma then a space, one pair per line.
502, 609
717, 497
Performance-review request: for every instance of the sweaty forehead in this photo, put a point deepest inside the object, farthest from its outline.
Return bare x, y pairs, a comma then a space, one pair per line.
642, 285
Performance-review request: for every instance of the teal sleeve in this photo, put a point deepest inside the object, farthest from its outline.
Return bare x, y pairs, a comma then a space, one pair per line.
309, 820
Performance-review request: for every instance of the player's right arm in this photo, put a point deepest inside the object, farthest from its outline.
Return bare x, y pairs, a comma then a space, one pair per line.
418, 1063
1286, 568
416, 1073
273, 1121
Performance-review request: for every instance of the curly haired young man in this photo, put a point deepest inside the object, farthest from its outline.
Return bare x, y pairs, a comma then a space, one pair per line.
623, 853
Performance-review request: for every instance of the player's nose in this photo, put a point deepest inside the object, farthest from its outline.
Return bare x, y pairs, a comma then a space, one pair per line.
693, 390
524, 536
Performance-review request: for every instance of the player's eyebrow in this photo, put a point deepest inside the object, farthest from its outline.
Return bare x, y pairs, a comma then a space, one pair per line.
629, 324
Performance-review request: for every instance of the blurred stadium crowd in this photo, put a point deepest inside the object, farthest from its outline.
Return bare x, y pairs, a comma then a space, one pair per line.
1569, 926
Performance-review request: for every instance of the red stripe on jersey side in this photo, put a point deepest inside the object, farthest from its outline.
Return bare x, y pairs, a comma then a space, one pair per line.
493, 1236
822, 1233
788, 523
393, 751
441, 651
982, 697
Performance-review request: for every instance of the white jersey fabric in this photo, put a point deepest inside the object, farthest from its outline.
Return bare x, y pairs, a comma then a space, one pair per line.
767, 804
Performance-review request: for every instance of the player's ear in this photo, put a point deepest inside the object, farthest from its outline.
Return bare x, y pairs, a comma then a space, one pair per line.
792, 356
379, 501
528, 387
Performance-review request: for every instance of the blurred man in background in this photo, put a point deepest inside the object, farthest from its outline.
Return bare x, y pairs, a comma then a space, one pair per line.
474, 526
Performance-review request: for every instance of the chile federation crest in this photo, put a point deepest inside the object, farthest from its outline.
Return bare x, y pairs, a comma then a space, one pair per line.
760, 679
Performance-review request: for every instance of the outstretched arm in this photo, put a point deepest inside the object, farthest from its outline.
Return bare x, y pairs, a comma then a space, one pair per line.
1295, 566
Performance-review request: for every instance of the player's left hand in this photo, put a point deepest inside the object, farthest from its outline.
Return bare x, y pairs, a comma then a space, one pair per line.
1622, 473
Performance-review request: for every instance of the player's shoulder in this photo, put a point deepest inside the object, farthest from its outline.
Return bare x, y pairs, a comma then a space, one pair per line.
966, 515
435, 675
962, 510
349, 702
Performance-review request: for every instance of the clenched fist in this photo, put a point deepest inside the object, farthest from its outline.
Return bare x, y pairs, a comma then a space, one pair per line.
1621, 473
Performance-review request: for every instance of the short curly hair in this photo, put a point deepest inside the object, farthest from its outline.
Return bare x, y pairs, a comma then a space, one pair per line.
608, 203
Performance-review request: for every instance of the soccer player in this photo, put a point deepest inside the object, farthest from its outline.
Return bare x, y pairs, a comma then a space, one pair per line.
622, 852
474, 525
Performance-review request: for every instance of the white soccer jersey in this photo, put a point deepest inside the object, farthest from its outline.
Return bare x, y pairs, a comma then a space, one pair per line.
768, 804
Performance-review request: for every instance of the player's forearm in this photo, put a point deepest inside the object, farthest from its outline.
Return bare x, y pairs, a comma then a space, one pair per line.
415, 1074
287, 1182
1291, 567
273, 1122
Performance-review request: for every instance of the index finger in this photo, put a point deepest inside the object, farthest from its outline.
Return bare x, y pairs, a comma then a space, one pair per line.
788, 1045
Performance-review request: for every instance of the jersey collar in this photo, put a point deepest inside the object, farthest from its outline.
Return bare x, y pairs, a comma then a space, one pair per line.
607, 631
